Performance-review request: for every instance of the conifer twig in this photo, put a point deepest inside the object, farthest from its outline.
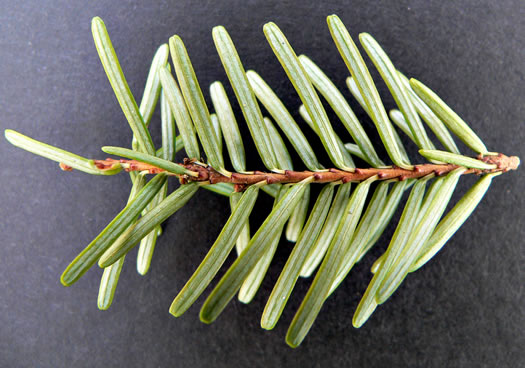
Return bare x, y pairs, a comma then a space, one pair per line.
494, 163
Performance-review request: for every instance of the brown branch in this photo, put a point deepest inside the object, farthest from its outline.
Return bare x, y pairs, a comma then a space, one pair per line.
208, 174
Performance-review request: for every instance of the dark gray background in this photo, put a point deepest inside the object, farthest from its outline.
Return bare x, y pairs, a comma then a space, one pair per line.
463, 309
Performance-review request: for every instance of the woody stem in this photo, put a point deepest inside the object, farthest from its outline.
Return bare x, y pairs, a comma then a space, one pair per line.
208, 174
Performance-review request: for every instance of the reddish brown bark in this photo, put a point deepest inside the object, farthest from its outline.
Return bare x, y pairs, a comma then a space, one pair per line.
208, 174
